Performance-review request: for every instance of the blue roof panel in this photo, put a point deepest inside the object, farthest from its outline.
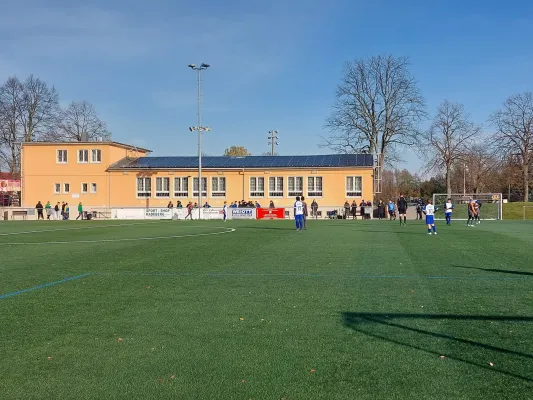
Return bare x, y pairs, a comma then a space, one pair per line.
221, 162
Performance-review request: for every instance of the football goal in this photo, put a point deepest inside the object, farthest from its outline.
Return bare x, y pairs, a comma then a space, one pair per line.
491, 205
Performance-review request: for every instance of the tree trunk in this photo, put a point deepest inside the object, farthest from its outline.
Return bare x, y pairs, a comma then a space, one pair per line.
526, 182
448, 181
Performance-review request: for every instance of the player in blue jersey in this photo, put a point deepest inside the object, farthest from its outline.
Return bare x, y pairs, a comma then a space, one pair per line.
225, 210
299, 214
429, 210
448, 211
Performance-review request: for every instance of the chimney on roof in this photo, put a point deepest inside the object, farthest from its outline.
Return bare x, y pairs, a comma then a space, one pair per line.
84, 137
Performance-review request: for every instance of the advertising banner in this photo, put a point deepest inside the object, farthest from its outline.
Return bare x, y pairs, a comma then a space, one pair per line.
212, 213
127, 213
158, 213
270, 213
181, 213
9, 185
241, 213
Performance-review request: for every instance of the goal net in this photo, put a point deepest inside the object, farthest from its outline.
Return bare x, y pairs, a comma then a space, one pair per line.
491, 205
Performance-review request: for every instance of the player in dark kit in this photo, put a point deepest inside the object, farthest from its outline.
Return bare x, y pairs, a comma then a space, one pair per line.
402, 209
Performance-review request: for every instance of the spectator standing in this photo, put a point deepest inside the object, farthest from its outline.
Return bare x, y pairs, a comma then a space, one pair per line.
381, 209
354, 210
346, 209
67, 212
56, 209
48, 208
39, 208
63, 210
271, 205
314, 209
170, 205
80, 211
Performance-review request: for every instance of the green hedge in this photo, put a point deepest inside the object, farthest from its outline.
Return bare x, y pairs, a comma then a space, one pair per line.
516, 211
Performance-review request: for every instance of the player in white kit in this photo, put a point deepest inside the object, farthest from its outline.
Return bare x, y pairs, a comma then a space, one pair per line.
299, 214
429, 210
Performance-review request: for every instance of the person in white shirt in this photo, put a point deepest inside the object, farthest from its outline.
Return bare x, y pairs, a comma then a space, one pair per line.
448, 211
225, 210
299, 214
429, 210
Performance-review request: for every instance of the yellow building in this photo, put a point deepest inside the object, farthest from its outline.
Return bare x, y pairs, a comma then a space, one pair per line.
111, 174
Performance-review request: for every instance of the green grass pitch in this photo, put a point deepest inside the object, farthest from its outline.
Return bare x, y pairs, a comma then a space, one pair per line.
256, 310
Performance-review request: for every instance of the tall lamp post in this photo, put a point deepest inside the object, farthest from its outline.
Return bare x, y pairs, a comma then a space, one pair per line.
200, 129
464, 178
273, 137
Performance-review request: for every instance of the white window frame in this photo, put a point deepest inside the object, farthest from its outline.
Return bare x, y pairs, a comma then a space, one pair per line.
86, 188
276, 192
313, 186
218, 186
144, 190
98, 153
94, 187
351, 188
57, 188
63, 159
183, 186
292, 181
195, 186
85, 157
257, 188
66, 188
162, 187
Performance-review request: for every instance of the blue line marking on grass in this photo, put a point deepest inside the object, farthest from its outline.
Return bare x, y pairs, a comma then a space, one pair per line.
44, 285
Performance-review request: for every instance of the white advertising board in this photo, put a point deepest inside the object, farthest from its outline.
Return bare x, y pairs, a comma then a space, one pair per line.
158, 213
241, 213
212, 213
127, 213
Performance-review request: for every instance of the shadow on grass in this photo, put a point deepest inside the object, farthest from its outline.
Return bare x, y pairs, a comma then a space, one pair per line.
394, 328
504, 271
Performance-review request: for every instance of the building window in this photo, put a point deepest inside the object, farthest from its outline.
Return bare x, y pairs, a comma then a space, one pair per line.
296, 186
218, 186
162, 187
257, 187
93, 187
314, 186
62, 157
354, 186
144, 187
96, 156
275, 186
85, 188
57, 188
181, 187
195, 187
83, 156
66, 188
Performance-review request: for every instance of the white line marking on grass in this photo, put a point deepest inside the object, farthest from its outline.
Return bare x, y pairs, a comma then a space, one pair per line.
77, 229
228, 230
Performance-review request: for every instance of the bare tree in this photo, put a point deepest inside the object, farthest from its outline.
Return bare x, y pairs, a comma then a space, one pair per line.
79, 123
11, 99
237, 151
378, 107
39, 110
514, 136
448, 138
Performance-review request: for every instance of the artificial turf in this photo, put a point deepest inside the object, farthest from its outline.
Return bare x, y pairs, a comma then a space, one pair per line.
344, 310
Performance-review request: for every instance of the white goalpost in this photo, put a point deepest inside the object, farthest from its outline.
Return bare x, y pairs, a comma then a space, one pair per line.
491, 205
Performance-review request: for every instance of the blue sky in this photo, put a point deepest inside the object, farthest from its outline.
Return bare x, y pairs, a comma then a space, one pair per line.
274, 65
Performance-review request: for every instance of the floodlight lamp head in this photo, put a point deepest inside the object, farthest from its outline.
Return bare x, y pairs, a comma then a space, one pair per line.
192, 128
204, 65
193, 66
207, 129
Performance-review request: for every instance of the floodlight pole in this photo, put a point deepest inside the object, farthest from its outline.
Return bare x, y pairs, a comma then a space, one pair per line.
464, 179
200, 129
273, 137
